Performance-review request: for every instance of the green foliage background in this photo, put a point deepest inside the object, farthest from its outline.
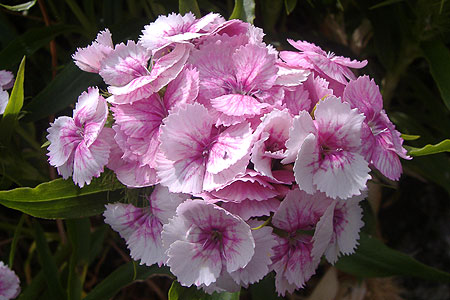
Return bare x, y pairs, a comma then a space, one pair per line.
405, 42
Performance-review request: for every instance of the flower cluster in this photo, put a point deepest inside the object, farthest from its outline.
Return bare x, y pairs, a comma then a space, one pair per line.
9, 283
258, 158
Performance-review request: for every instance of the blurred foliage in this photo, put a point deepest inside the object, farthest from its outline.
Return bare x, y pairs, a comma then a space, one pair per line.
405, 42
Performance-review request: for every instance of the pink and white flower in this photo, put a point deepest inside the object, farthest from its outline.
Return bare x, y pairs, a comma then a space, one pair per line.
295, 259
175, 28
326, 150
314, 58
9, 283
236, 80
90, 58
6, 80
127, 72
141, 227
382, 144
339, 228
80, 146
203, 240
197, 156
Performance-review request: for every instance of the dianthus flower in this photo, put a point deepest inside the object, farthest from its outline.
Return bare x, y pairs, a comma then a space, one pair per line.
9, 283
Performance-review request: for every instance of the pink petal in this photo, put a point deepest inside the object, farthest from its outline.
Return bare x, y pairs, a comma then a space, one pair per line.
124, 64
63, 138
89, 59
258, 266
238, 105
4, 98
9, 283
183, 89
302, 126
165, 203
90, 161
247, 209
140, 229
6, 80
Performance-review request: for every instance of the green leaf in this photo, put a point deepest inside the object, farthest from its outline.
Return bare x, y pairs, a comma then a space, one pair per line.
178, 292
375, 259
122, 277
438, 57
60, 93
17, 232
29, 42
15, 103
20, 7
48, 263
443, 146
79, 232
290, 5
186, 6
34, 289
61, 199
409, 137
385, 3
244, 10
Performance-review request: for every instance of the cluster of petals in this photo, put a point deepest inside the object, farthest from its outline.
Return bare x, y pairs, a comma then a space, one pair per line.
259, 159
6, 82
9, 283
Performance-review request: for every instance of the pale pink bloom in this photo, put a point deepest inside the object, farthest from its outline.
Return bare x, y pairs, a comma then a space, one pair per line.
270, 138
247, 209
313, 57
258, 266
317, 88
297, 99
4, 99
141, 226
248, 186
338, 228
236, 80
289, 76
176, 28
133, 74
140, 121
328, 148
197, 156
293, 260
6, 80
203, 240
89, 59
9, 283
80, 146
382, 144
129, 170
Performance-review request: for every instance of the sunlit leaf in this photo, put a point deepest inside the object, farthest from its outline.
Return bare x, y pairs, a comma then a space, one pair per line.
443, 146
244, 10
15, 103
62, 199
409, 137
20, 7
375, 259
385, 3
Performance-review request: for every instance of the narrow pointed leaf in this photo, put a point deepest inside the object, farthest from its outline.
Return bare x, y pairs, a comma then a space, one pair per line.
17, 233
244, 10
409, 137
375, 259
186, 6
48, 264
443, 146
61, 199
122, 277
290, 5
178, 292
20, 7
14, 106
438, 57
